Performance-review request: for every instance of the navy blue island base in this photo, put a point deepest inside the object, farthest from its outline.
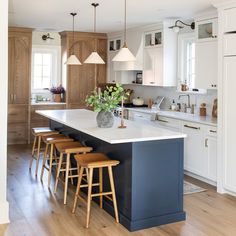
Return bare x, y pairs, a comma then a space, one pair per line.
148, 180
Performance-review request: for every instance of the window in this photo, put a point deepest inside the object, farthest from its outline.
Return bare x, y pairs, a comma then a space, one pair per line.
45, 68
187, 59
42, 70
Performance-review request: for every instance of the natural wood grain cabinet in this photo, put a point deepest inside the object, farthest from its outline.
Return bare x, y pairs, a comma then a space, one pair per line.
19, 64
81, 80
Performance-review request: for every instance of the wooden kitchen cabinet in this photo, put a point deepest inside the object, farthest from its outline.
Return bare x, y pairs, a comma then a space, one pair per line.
19, 69
82, 79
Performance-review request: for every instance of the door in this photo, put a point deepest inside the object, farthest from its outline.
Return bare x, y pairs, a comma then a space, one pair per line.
229, 123
194, 159
153, 66
21, 67
211, 146
206, 65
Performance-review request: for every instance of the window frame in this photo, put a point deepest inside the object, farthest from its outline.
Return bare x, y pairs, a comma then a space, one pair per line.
183, 41
56, 77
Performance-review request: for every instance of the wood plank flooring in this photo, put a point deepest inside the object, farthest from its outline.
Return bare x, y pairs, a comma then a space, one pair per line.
35, 211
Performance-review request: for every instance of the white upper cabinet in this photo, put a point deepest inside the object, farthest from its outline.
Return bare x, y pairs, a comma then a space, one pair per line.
206, 65
207, 30
160, 56
229, 20
153, 38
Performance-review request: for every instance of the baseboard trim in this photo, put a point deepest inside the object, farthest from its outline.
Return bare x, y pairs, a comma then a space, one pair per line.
4, 212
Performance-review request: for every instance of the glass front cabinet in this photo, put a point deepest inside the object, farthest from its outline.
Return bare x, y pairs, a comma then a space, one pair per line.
153, 38
207, 29
114, 44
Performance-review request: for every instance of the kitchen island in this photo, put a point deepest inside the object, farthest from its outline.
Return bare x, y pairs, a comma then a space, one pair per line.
149, 178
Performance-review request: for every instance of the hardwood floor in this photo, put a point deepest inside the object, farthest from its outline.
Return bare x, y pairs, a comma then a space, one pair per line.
34, 210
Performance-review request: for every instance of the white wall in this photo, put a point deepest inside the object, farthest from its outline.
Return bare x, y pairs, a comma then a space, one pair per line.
4, 208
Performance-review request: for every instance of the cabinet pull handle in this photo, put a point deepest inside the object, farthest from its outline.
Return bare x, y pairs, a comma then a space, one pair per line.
212, 131
206, 142
191, 127
165, 121
152, 82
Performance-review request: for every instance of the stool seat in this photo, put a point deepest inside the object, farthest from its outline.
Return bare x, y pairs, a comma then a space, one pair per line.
43, 130
72, 147
95, 160
56, 138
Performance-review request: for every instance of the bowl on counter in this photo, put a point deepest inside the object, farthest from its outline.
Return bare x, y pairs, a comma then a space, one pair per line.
138, 101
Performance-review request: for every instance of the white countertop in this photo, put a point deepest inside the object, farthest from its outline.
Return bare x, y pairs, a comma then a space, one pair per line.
207, 120
47, 103
85, 121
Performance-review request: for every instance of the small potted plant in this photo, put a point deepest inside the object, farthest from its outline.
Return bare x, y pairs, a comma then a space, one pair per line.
57, 92
104, 103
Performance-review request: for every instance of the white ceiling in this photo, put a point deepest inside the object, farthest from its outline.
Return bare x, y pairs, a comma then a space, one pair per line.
53, 15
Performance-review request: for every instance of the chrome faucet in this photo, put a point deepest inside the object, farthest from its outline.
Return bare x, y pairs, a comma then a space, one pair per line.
186, 95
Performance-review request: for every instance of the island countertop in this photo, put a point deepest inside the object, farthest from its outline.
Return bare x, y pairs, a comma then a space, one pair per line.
85, 121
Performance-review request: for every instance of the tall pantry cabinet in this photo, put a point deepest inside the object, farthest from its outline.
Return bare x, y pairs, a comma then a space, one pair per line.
80, 80
19, 69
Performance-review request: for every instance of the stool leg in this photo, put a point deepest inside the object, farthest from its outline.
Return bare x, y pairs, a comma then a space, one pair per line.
113, 193
101, 185
50, 165
89, 195
38, 155
58, 171
78, 189
71, 173
33, 151
66, 178
44, 161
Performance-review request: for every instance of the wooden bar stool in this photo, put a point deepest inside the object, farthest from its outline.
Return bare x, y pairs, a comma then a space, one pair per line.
67, 149
89, 162
50, 141
38, 132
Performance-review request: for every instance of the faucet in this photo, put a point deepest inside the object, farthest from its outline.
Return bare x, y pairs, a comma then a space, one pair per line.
187, 95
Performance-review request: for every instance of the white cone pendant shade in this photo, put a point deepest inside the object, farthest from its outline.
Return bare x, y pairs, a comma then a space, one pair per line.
94, 58
73, 60
124, 55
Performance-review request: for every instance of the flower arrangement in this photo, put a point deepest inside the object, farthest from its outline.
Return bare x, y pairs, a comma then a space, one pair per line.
57, 90
107, 100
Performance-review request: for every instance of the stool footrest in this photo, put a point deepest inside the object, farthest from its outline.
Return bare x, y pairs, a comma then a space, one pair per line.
101, 194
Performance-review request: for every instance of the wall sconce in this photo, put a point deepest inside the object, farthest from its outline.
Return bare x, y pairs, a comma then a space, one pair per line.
46, 37
176, 28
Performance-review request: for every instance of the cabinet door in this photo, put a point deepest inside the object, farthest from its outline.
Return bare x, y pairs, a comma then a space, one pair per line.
207, 30
229, 83
22, 55
206, 65
101, 69
230, 20
153, 66
11, 63
211, 148
81, 79
194, 158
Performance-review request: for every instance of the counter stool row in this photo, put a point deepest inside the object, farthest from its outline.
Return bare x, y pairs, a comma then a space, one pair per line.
86, 161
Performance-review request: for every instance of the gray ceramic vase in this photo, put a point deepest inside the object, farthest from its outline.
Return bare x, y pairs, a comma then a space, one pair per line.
105, 119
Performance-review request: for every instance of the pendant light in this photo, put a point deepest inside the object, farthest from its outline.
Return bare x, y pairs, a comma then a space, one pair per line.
73, 60
124, 54
94, 57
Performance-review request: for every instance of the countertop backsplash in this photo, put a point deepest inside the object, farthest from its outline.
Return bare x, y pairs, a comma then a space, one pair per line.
170, 93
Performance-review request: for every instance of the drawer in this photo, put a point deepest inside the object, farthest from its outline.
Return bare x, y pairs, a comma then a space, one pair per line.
211, 131
17, 114
17, 133
230, 44
167, 122
229, 20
